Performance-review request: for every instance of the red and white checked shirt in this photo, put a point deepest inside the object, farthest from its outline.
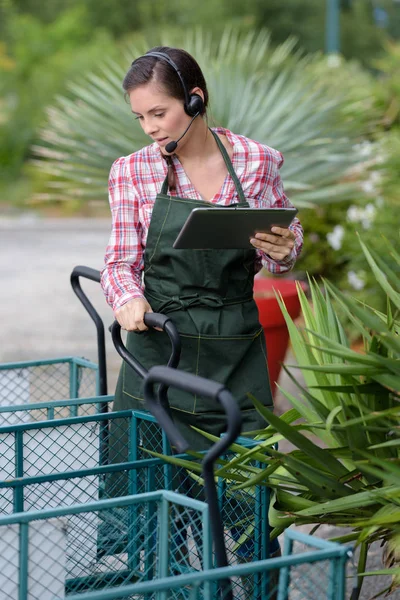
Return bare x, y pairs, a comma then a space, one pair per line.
134, 183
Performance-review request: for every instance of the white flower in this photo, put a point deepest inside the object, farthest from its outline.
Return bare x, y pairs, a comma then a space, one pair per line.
354, 214
365, 216
369, 216
368, 186
355, 281
335, 237
365, 148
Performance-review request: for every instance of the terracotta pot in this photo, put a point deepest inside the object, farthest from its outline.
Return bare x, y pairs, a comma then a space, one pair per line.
272, 320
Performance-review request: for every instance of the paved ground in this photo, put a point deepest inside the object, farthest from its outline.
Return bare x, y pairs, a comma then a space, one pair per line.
40, 317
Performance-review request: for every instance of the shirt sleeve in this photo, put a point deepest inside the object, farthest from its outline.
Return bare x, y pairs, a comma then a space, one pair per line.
273, 196
121, 277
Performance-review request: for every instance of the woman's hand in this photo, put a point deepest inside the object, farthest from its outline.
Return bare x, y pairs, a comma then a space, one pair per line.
130, 316
277, 246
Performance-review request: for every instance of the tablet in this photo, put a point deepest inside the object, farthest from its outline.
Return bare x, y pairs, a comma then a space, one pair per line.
209, 227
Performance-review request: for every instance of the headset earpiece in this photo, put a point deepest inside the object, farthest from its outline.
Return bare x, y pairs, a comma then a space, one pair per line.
195, 105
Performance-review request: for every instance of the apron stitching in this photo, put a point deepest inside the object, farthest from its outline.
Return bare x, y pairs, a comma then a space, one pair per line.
219, 337
173, 408
161, 230
123, 375
197, 370
135, 397
262, 350
123, 383
187, 412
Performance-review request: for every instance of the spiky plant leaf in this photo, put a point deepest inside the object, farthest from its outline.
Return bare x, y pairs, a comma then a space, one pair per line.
267, 94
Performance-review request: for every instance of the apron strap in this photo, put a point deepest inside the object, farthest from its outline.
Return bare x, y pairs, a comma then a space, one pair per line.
164, 188
230, 168
231, 171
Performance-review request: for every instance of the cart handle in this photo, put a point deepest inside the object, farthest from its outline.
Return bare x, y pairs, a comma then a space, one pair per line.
93, 275
151, 320
216, 391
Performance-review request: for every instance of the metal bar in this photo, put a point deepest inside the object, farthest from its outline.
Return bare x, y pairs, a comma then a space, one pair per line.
331, 591
19, 471
26, 517
102, 469
133, 483
340, 575
265, 541
167, 468
84, 362
209, 588
23, 561
93, 275
56, 404
73, 386
68, 421
185, 501
150, 535
163, 546
315, 542
46, 361
284, 575
180, 581
104, 579
332, 27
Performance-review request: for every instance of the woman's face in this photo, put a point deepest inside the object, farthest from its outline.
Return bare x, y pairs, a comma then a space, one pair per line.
162, 117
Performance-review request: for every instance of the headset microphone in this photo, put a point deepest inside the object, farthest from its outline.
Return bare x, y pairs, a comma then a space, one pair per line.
171, 146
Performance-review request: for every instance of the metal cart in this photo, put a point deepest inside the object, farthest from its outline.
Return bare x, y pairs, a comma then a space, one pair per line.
62, 534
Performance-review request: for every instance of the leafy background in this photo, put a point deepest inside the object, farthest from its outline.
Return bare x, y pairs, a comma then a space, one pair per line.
336, 119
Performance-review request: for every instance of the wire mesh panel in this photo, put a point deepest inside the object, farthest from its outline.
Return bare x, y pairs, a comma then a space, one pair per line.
34, 543
319, 558
35, 450
46, 575
67, 488
244, 512
43, 381
54, 409
319, 580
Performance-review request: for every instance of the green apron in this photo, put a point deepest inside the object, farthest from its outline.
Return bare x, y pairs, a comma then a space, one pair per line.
209, 296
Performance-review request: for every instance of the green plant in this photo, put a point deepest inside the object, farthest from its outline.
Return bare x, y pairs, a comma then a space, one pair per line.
344, 424
264, 93
36, 61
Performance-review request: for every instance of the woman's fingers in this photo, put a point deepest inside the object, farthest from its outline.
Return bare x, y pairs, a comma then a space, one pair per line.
278, 244
284, 232
131, 315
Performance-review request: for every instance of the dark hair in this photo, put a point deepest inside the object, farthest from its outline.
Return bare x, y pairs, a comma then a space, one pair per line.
151, 68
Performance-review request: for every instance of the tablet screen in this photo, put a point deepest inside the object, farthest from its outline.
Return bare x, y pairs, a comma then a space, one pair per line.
216, 227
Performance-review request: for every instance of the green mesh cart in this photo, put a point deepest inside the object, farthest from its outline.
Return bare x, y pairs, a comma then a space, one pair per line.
29, 382
53, 553
63, 534
309, 569
59, 462
35, 563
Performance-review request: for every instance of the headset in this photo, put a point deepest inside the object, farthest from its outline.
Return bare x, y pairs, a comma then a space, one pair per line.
194, 104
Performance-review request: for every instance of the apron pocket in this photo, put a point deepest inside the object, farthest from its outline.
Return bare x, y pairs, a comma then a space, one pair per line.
239, 362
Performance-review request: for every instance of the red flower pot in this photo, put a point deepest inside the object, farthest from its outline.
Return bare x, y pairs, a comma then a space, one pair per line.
272, 319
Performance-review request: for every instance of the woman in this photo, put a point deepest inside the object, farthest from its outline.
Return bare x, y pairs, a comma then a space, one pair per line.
208, 293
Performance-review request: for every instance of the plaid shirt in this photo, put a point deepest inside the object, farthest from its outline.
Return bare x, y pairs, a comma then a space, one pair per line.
134, 183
